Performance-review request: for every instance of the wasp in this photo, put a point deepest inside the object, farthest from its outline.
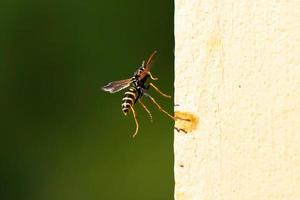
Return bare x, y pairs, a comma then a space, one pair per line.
137, 88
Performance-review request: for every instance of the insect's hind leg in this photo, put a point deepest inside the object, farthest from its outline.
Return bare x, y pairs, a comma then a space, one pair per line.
158, 106
158, 90
136, 122
147, 110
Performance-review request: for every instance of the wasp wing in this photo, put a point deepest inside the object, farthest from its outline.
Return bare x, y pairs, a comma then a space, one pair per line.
116, 86
148, 66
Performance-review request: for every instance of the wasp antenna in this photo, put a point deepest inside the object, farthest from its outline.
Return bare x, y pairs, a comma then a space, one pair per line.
150, 59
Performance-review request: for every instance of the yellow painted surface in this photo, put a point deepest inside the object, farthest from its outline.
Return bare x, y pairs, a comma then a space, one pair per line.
186, 122
237, 68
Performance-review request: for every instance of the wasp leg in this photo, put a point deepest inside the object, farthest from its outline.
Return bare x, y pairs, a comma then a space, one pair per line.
160, 92
143, 63
147, 110
136, 122
153, 78
158, 106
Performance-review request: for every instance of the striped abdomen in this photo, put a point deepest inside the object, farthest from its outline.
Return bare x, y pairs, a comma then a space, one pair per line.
129, 99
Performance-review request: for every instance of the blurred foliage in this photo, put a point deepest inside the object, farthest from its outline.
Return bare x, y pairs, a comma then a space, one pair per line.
61, 136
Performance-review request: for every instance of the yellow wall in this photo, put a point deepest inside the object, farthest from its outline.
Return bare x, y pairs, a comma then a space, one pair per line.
237, 69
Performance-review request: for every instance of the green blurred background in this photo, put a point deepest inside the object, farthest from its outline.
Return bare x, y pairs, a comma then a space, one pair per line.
61, 136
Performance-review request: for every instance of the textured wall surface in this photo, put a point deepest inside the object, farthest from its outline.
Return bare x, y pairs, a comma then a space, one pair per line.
237, 69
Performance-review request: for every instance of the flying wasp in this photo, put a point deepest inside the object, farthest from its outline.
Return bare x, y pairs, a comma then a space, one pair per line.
137, 89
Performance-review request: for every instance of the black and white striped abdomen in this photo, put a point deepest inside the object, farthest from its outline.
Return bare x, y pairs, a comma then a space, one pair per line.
129, 99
